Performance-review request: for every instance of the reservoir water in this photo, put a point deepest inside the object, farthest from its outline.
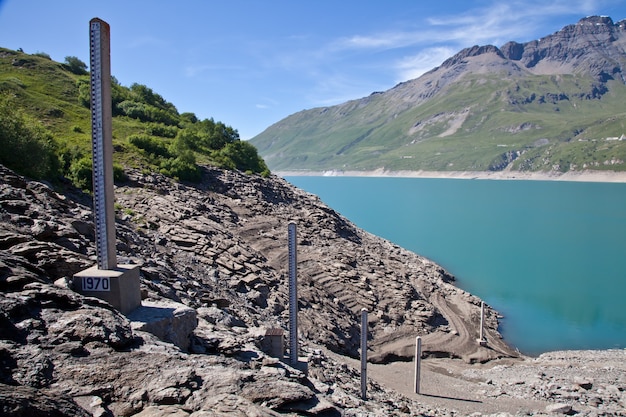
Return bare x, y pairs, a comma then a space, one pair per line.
550, 256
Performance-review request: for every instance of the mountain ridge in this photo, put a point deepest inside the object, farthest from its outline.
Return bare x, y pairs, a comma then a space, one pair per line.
568, 85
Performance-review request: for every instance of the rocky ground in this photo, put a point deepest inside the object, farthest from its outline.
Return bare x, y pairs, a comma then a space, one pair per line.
217, 253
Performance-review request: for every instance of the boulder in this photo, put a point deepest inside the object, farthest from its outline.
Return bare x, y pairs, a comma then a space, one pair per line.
169, 321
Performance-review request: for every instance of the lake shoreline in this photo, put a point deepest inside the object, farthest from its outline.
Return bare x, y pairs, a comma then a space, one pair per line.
576, 176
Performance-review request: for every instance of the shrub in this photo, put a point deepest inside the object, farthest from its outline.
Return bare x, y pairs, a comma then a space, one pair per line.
183, 167
84, 91
75, 65
145, 112
81, 173
244, 157
118, 173
43, 55
150, 145
26, 146
164, 131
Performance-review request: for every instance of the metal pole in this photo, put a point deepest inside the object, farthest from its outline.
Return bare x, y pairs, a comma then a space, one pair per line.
418, 363
293, 295
102, 142
482, 320
364, 353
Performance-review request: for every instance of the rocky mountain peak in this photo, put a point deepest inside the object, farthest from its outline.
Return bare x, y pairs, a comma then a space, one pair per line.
473, 51
594, 45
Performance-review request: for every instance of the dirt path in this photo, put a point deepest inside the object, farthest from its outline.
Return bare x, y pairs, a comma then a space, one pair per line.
459, 335
442, 385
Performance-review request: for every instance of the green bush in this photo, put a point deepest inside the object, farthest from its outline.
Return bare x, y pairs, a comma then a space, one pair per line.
244, 157
145, 112
25, 145
81, 173
84, 91
118, 174
75, 65
43, 55
159, 129
150, 145
183, 167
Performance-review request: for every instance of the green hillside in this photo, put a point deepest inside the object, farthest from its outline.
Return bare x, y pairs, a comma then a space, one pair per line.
481, 122
45, 126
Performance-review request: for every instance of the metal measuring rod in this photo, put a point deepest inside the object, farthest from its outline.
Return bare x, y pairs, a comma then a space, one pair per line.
293, 294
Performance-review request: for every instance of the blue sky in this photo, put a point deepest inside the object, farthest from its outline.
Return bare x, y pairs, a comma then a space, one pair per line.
251, 63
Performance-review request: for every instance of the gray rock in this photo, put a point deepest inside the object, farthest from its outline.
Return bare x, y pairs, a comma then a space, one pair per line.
19, 401
169, 321
559, 408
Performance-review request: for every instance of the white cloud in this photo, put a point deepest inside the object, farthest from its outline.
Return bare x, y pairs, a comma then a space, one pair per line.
266, 103
411, 67
439, 38
496, 23
504, 21
387, 40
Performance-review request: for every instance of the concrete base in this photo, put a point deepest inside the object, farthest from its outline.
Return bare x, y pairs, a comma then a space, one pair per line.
119, 287
273, 343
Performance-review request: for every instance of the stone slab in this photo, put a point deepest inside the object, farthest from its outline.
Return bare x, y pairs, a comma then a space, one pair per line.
169, 321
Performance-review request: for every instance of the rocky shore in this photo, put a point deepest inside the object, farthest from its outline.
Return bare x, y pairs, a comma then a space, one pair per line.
214, 256
507, 174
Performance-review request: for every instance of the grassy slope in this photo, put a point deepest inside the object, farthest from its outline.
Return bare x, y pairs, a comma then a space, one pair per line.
45, 89
48, 92
499, 114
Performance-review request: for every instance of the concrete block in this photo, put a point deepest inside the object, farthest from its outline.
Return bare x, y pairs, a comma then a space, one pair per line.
119, 287
274, 343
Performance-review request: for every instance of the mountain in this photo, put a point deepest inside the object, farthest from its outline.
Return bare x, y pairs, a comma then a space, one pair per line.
553, 104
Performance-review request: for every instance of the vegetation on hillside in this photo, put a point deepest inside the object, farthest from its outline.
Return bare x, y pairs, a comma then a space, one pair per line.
483, 122
45, 126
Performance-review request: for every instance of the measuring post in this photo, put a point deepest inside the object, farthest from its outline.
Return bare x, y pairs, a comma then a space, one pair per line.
481, 338
418, 363
102, 142
293, 295
118, 285
364, 353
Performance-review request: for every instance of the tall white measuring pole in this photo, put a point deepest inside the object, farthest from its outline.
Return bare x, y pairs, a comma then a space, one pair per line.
102, 142
418, 364
293, 295
364, 353
119, 285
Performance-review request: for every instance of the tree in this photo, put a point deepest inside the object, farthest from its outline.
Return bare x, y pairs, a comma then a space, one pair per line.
75, 65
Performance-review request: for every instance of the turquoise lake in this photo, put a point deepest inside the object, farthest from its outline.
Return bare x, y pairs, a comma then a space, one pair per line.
550, 256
